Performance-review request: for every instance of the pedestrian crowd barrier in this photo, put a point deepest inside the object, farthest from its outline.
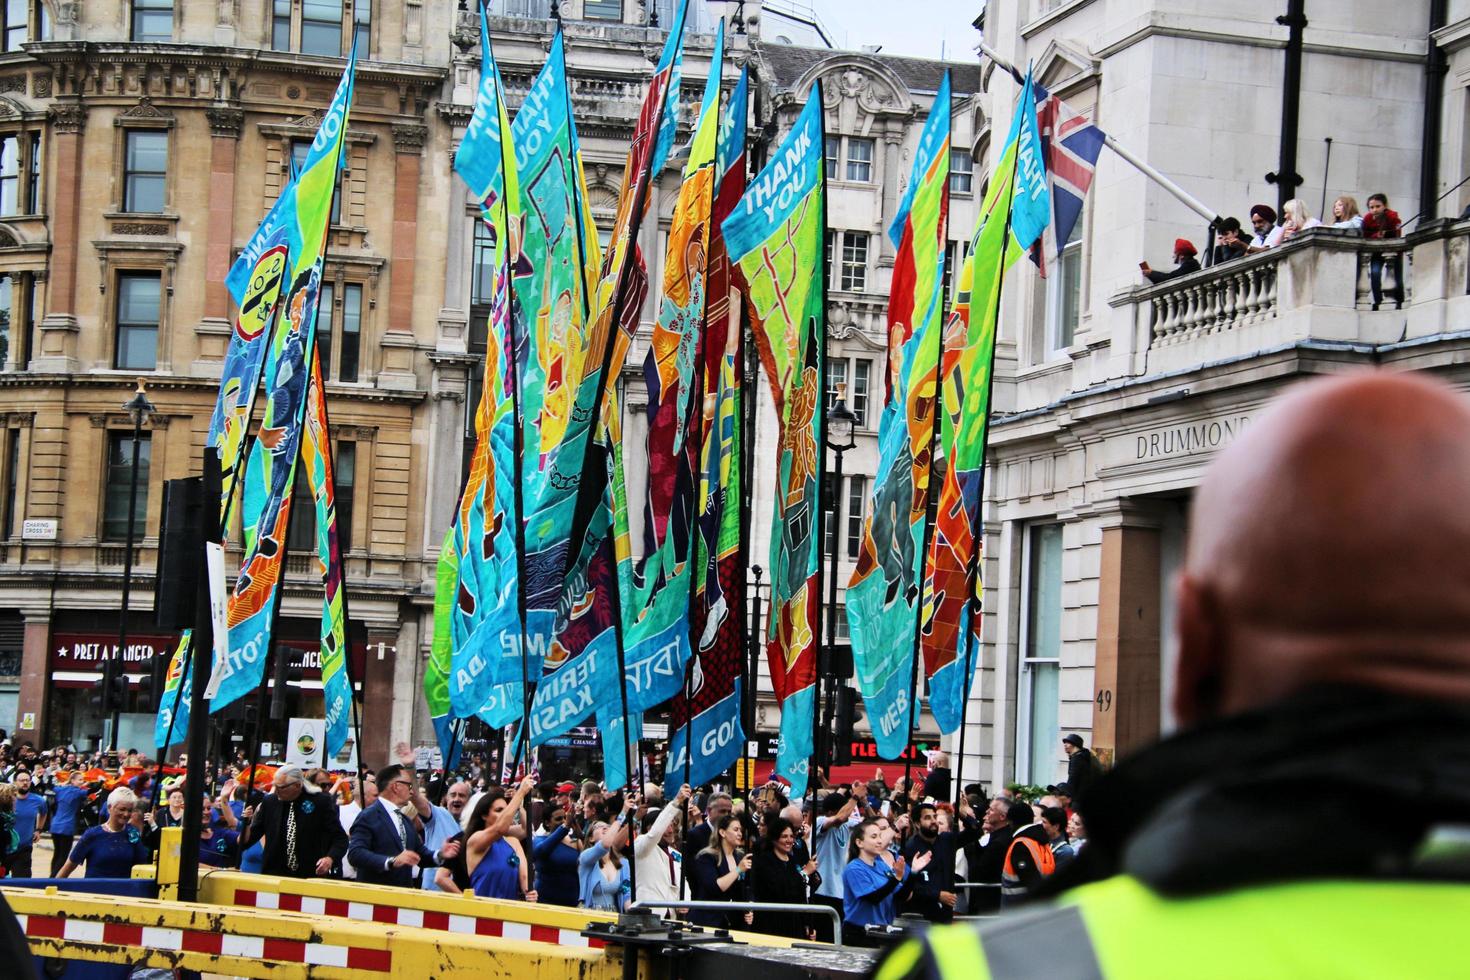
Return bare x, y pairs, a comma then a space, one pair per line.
255, 943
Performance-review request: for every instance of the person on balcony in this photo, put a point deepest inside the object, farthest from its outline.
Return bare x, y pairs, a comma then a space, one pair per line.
1345, 214
1379, 223
1184, 261
1298, 219
1232, 243
1268, 233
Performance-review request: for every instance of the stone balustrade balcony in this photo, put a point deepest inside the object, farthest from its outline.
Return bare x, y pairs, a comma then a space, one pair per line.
1325, 285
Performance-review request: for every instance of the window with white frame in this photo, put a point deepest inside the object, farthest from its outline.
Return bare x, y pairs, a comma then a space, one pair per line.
859, 160
1038, 728
833, 155
852, 269
853, 377
602, 10
1064, 294
961, 172
856, 503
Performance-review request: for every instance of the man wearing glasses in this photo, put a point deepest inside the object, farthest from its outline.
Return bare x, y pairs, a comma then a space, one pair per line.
385, 847
303, 835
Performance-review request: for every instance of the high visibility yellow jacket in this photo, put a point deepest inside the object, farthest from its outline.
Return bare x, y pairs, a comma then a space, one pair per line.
1119, 928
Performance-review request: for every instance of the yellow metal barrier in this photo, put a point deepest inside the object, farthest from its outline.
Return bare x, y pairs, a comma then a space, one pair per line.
356, 901
252, 943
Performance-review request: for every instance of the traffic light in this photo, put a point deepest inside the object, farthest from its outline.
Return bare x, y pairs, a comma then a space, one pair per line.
103, 698
846, 723
150, 685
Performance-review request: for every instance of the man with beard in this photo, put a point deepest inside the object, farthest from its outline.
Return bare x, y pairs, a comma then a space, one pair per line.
30, 817
934, 894
299, 823
1323, 626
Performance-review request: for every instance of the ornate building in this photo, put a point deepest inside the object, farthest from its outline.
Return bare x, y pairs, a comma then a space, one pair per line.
140, 144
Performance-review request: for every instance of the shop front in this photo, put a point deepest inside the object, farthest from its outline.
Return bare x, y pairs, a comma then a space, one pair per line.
77, 659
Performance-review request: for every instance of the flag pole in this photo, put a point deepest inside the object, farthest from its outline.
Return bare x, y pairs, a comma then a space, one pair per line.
931, 489
518, 444
977, 530
821, 415
1184, 197
308, 359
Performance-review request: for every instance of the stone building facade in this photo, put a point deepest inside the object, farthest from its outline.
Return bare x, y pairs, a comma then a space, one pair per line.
1113, 394
140, 144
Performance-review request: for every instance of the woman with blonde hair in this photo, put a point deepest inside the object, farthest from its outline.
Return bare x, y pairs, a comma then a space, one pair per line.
1345, 214
112, 848
1298, 218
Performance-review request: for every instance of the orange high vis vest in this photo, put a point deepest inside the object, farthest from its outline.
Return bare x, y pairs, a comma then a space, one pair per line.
1046, 863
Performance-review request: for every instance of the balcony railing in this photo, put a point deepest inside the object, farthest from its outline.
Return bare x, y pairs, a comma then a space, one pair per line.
1323, 285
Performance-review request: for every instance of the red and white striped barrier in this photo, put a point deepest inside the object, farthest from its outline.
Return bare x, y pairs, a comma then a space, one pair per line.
365, 911
165, 939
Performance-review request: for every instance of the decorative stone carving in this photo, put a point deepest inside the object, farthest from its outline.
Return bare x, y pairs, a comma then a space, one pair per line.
145, 109
225, 122
20, 420
139, 228
409, 138
41, 85
445, 395
13, 83
68, 117
8, 238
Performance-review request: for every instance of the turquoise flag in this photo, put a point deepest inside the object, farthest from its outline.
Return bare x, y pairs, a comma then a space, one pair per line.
271, 472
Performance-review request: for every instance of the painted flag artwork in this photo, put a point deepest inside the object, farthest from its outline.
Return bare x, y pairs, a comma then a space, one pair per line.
1014, 214
581, 672
271, 471
775, 239
554, 285
255, 283
885, 594
707, 727
484, 525
436, 669
170, 727
316, 456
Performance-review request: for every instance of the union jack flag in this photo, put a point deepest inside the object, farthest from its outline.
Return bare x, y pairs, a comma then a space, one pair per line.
1070, 144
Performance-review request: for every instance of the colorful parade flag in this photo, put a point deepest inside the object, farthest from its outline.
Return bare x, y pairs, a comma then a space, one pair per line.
316, 456
584, 487
436, 670
172, 727
1014, 214
883, 598
775, 238
255, 282
484, 526
558, 274
709, 721
271, 472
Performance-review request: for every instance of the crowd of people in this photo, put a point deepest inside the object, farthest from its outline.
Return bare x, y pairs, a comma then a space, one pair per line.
1268, 231
871, 851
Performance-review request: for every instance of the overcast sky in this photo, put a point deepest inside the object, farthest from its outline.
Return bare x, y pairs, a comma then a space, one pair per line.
920, 28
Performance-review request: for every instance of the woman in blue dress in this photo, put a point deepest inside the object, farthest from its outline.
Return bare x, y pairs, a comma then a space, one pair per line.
602, 868
111, 849
558, 881
496, 860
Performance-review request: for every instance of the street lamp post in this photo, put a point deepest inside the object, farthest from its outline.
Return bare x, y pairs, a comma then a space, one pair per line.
840, 424
138, 407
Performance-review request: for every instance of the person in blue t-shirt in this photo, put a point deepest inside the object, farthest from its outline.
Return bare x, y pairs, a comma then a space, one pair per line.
70, 797
872, 883
30, 817
111, 850
218, 848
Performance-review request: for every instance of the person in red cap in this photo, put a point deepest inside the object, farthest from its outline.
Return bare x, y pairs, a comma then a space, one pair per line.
1184, 260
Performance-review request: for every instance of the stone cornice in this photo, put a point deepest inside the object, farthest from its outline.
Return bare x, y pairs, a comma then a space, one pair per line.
206, 387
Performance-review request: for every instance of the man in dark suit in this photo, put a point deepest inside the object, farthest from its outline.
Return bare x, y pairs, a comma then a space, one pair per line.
385, 847
697, 838
303, 834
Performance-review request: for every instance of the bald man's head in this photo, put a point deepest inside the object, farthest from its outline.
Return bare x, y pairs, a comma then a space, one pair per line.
1331, 543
